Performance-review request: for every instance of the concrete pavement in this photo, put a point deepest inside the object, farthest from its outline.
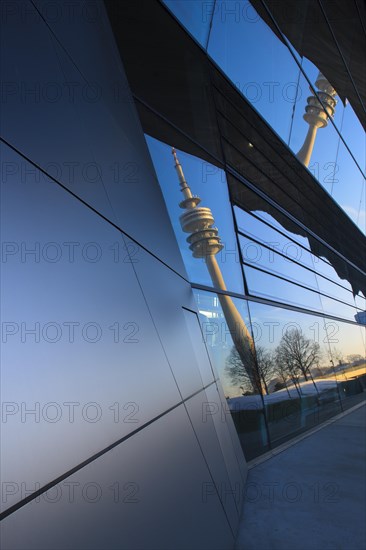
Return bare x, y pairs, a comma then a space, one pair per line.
312, 495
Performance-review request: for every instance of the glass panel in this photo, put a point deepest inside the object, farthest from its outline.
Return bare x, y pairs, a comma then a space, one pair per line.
360, 318
235, 367
348, 356
335, 291
331, 163
333, 307
323, 157
310, 369
265, 232
280, 240
344, 118
354, 135
268, 286
273, 231
360, 301
277, 241
302, 385
266, 177
208, 183
349, 188
312, 73
195, 15
267, 79
275, 86
345, 274
257, 255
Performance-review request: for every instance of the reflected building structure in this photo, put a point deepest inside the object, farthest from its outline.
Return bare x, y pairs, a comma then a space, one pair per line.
317, 113
204, 241
361, 317
159, 355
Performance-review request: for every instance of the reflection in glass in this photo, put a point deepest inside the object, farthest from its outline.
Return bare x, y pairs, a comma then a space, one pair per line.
319, 109
348, 357
208, 183
331, 162
328, 136
244, 398
272, 233
360, 301
296, 344
354, 135
311, 357
338, 308
266, 257
310, 369
195, 16
267, 79
205, 243
348, 188
266, 285
281, 248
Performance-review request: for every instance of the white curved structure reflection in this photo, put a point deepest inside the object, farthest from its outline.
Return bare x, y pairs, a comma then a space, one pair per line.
204, 241
317, 115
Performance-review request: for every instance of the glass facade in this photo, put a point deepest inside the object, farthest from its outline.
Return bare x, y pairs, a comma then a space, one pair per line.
277, 81
288, 286
296, 392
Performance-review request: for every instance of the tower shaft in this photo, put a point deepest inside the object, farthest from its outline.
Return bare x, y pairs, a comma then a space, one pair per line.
205, 243
304, 155
317, 114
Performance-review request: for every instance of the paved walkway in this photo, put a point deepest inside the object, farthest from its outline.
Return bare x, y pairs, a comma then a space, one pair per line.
311, 496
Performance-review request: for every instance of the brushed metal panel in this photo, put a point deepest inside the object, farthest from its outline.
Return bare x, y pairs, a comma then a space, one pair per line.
147, 492
240, 458
199, 346
181, 337
229, 442
79, 347
70, 110
201, 414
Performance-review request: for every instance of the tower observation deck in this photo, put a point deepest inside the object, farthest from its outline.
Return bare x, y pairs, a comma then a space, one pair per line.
317, 114
204, 241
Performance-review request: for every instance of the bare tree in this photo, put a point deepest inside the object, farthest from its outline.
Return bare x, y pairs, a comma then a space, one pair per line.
238, 374
281, 371
265, 365
286, 365
336, 355
298, 353
355, 358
